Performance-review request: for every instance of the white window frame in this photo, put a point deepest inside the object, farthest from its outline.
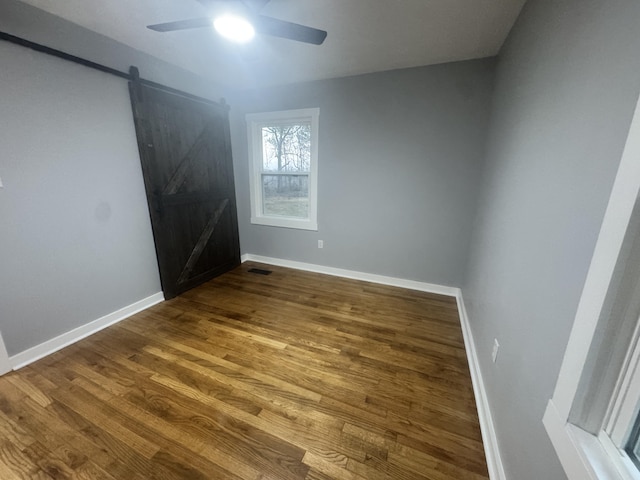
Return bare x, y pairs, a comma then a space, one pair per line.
255, 122
585, 456
623, 408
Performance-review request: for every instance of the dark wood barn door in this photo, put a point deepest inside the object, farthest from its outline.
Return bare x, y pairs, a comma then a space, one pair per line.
186, 160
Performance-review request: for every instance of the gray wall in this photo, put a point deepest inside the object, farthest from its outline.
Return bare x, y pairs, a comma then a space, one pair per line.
76, 241
567, 83
400, 153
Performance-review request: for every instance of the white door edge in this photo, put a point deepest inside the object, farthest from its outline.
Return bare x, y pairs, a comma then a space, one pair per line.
5, 364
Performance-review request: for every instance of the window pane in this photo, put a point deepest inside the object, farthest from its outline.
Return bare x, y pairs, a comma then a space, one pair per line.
286, 195
286, 148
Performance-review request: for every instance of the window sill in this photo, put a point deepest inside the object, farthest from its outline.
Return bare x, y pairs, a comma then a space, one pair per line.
285, 223
582, 454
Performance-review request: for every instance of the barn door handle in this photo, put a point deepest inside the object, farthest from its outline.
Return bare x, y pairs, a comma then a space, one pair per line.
157, 204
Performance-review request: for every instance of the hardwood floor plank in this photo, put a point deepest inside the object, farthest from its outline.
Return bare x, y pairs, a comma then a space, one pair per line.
418, 462
12, 464
333, 468
23, 384
315, 475
290, 376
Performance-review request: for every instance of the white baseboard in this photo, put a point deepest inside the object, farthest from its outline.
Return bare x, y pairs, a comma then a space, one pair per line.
489, 437
367, 277
32, 354
5, 363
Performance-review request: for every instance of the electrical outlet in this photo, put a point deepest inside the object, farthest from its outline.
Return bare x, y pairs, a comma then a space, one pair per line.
494, 352
320, 244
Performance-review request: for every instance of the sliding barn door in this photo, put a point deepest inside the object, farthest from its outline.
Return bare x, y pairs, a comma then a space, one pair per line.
188, 174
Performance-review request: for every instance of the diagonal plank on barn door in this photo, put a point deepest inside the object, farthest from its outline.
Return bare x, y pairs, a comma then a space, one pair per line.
180, 175
202, 242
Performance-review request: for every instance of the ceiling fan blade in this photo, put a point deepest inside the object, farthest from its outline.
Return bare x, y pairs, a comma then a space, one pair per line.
182, 25
292, 31
262, 24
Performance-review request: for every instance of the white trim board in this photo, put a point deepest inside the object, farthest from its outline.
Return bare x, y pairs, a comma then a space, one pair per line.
489, 437
571, 444
625, 191
354, 275
32, 354
584, 456
5, 363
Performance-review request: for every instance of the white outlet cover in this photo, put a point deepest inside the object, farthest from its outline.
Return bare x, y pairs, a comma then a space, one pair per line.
496, 347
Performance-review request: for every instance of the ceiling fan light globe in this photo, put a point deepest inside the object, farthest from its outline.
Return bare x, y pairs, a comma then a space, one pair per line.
234, 28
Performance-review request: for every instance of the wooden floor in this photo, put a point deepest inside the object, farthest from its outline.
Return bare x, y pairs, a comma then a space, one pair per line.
288, 376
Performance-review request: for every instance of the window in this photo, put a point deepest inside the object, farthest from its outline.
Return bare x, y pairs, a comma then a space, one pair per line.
283, 157
593, 417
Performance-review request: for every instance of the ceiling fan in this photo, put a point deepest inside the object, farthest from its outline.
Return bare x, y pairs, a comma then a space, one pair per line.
260, 23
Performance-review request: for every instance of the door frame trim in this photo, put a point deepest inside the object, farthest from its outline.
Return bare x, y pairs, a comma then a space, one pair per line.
5, 362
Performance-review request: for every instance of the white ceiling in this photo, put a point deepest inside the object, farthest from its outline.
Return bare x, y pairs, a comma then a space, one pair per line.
364, 35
